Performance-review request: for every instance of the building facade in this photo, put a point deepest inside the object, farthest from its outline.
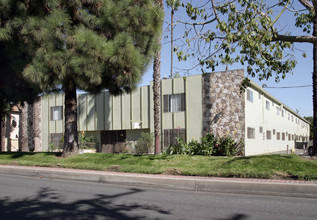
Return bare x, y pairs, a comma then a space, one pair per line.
191, 107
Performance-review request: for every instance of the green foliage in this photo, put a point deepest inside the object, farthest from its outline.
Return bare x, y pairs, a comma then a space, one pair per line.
87, 45
245, 31
85, 141
145, 143
210, 145
103, 44
174, 4
178, 148
226, 147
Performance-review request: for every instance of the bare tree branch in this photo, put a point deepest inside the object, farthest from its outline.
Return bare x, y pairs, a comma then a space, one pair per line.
298, 39
307, 4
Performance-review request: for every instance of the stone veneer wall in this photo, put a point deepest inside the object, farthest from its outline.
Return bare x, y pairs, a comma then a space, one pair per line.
30, 126
223, 105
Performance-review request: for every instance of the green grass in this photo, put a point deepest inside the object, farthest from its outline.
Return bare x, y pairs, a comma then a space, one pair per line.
267, 166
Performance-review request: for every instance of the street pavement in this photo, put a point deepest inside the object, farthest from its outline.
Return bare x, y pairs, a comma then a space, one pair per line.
288, 188
35, 198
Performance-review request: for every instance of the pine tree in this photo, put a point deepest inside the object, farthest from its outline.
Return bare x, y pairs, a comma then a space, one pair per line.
83, 44
14, 88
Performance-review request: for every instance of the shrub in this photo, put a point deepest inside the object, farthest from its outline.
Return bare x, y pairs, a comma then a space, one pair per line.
86, 142
194, 148
179, 148
226, 147
210, 146
144, 143
208, 143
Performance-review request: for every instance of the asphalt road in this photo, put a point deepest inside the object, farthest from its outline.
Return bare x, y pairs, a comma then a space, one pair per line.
41, 198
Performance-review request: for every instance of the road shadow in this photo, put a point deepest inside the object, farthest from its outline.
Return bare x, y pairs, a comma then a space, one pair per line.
49, 204
236, 217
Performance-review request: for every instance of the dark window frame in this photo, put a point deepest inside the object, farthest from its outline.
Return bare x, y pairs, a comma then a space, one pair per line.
60, 113
168, 102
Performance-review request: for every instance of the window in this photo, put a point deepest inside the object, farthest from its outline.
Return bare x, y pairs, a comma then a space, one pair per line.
261, 129
268, 135
289, 137
277, 110
274, 131
56, 113
292, 117
170, 136
278, 135
260, 95
288, 116
250, 95
174, 103
283, 113
283, 136
292, 137
268, 105
250, 133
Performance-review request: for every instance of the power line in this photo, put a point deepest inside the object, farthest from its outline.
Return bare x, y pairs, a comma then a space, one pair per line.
284, 87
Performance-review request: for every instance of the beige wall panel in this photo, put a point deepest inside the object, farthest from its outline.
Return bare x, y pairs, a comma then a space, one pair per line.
179, 120
108, 111
194, 107
151, 120
59, 100
126, 111
59, 126
45, 123
136, 106
146, 106
82, 112
52, 100
167, 120
100, 113
179, 85
90, 112
117, 109
166, 86
52, 127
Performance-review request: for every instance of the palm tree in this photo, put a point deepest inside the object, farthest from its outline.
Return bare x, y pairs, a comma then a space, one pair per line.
157, 91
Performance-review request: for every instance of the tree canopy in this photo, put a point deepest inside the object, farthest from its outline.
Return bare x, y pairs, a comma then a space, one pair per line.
249, 32
252, 33
82, 44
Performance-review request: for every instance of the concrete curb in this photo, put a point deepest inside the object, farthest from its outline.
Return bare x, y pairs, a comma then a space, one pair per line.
303, 189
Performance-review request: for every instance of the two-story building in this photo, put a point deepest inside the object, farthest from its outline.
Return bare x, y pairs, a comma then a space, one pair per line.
190, 107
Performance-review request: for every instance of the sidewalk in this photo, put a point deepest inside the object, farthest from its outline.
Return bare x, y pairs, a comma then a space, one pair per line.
292, 188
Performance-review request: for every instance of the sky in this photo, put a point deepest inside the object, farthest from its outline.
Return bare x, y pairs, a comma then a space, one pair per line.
298, 99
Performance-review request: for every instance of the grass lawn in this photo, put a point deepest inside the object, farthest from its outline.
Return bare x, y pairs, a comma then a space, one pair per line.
267, 166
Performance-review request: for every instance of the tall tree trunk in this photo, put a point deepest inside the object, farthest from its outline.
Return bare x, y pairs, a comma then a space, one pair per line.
71, 133
157, 93
172, 39
315, 80
1, 131
30, 127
